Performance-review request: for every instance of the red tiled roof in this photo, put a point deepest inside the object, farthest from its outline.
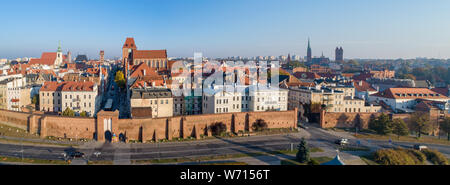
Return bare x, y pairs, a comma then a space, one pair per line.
306, 75
327, 75
170, 64
365, 86
68, 86
363, 76
47, 58
443, 91
410, 93
348, 75
138, 71
149, 54
300, 84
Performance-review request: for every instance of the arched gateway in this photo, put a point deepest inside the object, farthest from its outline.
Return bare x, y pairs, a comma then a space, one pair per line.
106, 125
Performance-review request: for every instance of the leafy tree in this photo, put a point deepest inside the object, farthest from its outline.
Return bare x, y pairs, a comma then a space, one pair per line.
35, 100
303, 151
259, 125
381, 125
419, 122
218, 128
407, 76
353, 63
120, 79
83, 114
68, 112
445, 127
315, 107
399, 128
294, 64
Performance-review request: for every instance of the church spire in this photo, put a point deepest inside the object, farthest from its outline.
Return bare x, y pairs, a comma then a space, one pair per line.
309, 45
59, 47
309, 52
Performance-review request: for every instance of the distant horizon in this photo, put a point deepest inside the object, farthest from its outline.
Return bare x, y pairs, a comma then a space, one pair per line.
377, 30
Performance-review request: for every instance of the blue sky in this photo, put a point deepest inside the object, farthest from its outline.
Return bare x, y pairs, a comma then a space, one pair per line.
364, 28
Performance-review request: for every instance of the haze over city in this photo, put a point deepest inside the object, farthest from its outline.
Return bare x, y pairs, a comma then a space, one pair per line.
366, 29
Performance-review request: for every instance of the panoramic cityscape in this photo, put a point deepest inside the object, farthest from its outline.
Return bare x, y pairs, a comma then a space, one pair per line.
217, 88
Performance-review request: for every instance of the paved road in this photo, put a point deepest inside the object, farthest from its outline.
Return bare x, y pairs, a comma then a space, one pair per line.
121, 153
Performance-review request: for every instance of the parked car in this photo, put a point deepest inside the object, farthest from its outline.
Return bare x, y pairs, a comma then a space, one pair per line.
341, 141
77, 155
420, 147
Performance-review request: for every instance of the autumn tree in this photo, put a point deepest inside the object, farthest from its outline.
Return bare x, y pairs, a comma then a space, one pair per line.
68, 112
83, 114
120, 79
35, 101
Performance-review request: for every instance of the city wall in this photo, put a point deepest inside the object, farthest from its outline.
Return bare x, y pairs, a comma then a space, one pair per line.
346, 120
145, 129
350, 120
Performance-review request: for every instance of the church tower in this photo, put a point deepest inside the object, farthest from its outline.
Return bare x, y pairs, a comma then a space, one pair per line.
127, 47
102, 56
339, 54
309, 52
288, 58
59, 56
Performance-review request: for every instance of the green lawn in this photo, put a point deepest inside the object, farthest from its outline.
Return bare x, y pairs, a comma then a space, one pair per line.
31, 161
219, 157
225, 163
354, 149
394, 138
6, 130
100, 163
33, 143
196, 159
320, 160
368, 159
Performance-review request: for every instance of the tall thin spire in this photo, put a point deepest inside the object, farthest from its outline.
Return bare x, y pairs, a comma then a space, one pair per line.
309, 45
309, 52
59, 47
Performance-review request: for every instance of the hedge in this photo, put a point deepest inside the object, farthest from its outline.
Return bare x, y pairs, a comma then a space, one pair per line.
435, 157
395, 157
